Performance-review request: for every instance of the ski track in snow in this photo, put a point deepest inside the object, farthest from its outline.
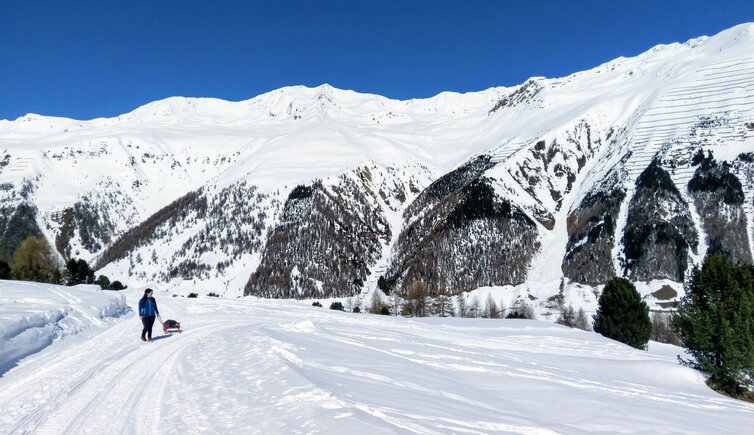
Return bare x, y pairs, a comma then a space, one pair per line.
257, 366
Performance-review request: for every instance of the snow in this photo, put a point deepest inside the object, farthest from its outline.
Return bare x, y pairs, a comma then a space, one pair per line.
32, 316
71, 361
266, 366
159, 152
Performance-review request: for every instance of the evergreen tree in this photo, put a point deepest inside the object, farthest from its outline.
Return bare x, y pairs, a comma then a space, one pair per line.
523, 311
622, 315
5, 271
715, 323
104, 282
117, 285
78, 272
33, 261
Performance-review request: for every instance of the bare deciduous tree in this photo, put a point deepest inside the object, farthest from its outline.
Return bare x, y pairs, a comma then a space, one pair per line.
491, 309
443, 306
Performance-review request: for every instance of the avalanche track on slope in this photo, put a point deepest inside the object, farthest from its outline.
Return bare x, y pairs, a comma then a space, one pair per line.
258, 366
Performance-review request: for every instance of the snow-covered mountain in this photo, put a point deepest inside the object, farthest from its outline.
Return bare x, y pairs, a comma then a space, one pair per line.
550, 187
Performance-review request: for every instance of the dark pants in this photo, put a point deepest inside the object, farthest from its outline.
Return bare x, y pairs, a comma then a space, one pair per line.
148, 322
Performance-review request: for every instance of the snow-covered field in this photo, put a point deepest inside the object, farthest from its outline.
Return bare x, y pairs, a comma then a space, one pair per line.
266, 366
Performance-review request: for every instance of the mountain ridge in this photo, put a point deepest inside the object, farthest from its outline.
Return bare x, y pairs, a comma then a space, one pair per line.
565, 156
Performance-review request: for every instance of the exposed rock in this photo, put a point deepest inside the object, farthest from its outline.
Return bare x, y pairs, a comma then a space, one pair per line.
665, 293
548, 171
591, 233
525, 93
718, 197
659, 230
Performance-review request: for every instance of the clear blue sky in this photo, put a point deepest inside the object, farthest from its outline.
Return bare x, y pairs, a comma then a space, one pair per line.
86, 59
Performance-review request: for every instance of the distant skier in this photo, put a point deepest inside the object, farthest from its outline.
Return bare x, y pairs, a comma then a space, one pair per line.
147, 312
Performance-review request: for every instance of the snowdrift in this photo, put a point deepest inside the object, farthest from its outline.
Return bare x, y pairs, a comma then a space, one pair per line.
33, 315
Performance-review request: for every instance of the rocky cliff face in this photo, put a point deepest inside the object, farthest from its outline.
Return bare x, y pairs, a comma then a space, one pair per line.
719, 198
659, 231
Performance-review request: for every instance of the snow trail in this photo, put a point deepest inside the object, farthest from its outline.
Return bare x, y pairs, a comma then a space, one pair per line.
259, 366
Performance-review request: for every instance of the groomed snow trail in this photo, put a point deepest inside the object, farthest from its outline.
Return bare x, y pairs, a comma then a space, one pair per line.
258, 366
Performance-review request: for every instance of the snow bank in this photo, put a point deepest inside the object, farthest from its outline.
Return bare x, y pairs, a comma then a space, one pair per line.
34, 315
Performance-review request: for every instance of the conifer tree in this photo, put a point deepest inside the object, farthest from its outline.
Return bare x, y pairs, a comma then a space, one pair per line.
5, 272
522, 311
715, 323
78, 272
104, 282
622, 315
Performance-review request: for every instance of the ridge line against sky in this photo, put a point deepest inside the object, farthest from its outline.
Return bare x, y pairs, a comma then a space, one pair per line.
87, 59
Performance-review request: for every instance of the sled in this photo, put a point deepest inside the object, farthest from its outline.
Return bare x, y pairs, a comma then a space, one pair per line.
171, 326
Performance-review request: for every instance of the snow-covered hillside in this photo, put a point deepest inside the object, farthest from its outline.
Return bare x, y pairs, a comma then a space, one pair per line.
538, 185
268, 366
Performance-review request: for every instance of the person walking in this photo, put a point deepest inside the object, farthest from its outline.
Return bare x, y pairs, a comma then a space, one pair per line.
147, 312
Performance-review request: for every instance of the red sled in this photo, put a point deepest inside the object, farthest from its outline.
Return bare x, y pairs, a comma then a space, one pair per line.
171, 326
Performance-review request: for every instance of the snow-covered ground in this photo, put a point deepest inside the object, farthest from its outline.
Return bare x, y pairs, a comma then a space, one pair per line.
33, 316
268, 366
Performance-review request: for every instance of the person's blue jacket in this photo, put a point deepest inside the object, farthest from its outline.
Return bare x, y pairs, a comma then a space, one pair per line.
148, 307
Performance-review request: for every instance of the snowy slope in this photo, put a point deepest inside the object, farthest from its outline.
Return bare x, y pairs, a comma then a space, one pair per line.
260, 366
553, 142
33, 316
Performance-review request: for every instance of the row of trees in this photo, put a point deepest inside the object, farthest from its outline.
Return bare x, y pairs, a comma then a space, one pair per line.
417, 302
33, 260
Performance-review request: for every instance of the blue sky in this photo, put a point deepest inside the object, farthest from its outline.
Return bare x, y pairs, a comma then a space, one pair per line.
86, 59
